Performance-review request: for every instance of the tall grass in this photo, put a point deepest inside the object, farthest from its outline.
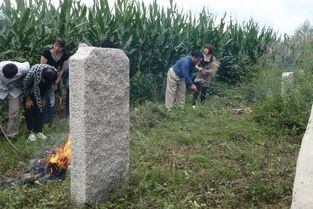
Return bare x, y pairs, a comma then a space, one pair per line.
284, 114
152, 36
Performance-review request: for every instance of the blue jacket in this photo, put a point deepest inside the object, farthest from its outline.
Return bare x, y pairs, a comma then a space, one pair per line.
184, 69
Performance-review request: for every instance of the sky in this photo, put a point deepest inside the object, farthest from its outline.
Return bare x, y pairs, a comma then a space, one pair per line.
284, 16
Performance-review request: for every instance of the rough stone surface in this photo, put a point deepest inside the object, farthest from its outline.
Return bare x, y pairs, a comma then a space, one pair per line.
287, 83
99, 123
303, 184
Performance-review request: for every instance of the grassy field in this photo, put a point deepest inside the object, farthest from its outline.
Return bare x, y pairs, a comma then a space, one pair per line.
203, 158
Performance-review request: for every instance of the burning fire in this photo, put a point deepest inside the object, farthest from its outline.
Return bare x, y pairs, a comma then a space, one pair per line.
60, 157
53, 167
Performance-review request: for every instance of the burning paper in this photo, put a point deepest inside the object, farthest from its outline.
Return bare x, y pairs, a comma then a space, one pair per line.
53, 167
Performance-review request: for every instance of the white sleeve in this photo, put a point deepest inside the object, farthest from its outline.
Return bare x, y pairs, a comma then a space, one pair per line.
23, 67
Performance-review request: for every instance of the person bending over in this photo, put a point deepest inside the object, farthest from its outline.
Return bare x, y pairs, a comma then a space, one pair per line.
178, 76
11, 75
37, 89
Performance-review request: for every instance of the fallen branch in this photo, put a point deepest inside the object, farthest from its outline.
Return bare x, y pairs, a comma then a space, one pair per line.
12, 145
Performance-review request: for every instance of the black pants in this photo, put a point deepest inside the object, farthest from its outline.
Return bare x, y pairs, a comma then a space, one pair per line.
34, 117
200, 90
67, 103
47, 112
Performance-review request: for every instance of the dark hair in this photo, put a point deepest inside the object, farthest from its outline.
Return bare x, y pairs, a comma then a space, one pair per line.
210, 47
197, 54
49, 75
60, 41
107, 44
9, 70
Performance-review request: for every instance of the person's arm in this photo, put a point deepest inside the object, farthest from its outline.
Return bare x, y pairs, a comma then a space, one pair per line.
213, 67
198, 67
27, 84
24, 68
43, 60
51, 97
43, 102
61, 72
3, 87
26, 89
208, 71
186, 74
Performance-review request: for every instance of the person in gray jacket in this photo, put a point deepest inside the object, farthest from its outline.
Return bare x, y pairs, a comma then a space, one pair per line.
11, 75
206, 70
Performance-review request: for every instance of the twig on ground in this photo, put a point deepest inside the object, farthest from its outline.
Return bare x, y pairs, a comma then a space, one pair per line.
12, 145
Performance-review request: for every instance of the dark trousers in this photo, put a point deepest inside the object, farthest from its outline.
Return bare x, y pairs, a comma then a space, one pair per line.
33, 116
200, 90
47, 112
67, 103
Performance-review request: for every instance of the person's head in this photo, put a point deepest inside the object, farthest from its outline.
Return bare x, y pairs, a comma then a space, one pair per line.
49, 75
208, 49
9, 70
196, 56
107, 44
59, 45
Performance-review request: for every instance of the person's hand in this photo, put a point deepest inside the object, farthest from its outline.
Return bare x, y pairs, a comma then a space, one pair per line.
208, 71
193, 87
43, 102
55, 87
198, 67
29, 103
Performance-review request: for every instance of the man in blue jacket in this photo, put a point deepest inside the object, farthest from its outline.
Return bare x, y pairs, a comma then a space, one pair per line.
178, 76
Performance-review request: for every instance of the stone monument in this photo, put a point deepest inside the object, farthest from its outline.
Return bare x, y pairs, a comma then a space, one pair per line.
99, 123
287, 83
303, 183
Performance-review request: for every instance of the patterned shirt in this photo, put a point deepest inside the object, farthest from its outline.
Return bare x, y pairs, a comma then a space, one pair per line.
10, 86
31, 84
205, 79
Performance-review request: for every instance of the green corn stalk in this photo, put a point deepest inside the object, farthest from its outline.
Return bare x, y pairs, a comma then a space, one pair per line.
153, 37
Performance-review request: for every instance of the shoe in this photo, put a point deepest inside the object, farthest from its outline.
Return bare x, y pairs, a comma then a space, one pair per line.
32, 138
194, 107
41, 136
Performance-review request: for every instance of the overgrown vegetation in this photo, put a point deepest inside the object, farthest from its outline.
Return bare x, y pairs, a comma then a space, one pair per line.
289, 114
203, 158
154, 38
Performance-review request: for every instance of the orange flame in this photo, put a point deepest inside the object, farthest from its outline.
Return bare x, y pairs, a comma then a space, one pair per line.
62, 155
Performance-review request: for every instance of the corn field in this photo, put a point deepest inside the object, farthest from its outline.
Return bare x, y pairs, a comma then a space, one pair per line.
153, 37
